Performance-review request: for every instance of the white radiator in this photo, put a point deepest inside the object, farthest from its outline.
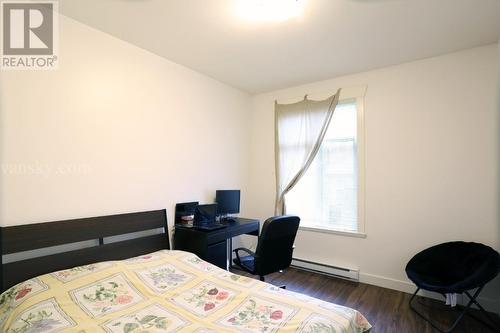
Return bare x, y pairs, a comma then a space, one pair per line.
340, 272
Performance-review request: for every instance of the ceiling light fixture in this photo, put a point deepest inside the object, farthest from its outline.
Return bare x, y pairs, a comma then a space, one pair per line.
268, 10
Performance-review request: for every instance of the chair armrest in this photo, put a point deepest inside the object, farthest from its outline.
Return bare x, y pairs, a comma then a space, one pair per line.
238, 259
244, 250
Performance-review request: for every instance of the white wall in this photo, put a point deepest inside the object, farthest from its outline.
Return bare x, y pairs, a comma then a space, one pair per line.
432, 153
115, 129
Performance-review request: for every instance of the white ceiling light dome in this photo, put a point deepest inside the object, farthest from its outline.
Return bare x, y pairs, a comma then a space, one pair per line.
268, 10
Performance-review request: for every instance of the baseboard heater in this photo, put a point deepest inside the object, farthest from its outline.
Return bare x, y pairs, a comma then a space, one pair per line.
340, 272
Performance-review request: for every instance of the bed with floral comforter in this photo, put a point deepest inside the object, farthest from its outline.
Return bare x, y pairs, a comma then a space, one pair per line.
165, 291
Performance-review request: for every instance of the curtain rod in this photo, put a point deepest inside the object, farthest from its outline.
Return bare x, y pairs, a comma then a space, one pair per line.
330, 94
347, 92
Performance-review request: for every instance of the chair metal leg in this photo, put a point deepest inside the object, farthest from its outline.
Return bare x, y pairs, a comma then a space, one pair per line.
460, 316
491, 323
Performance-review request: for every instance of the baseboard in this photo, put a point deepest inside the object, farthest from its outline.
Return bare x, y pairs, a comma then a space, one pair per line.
489, 304
336, 271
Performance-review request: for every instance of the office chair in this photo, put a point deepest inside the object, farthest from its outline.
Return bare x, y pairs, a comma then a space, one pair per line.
274, 248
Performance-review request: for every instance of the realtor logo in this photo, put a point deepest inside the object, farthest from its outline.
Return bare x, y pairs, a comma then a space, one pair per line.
29, 34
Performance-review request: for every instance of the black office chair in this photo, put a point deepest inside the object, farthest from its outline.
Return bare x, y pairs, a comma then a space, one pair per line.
274, 249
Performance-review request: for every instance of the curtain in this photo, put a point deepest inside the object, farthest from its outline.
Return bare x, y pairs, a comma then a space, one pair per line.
299, 131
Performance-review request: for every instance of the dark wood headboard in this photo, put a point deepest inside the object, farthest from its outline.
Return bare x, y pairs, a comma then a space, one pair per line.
40, 235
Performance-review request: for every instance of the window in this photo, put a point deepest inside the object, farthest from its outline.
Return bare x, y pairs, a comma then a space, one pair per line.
330, 194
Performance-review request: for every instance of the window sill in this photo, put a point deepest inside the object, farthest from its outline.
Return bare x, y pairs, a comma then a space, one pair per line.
355, 234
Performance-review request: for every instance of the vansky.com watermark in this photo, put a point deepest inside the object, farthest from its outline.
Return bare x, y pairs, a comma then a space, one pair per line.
29, 34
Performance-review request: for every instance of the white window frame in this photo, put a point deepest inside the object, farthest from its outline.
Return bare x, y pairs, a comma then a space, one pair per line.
350, 94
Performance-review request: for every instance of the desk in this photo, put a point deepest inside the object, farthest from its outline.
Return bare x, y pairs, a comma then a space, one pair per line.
214, 246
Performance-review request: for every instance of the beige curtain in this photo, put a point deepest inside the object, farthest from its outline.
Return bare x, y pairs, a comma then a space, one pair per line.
299, 131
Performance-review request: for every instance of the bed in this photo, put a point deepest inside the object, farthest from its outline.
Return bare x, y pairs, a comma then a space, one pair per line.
140, 285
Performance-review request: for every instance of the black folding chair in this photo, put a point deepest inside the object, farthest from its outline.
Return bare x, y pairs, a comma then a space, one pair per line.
455, 268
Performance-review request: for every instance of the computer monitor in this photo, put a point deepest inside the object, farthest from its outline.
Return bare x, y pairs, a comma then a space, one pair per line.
228, 201
205, 214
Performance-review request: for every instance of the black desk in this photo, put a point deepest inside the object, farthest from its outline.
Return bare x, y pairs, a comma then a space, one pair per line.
214, 246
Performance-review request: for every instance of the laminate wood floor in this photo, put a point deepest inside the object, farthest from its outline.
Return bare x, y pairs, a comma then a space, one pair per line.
387, 310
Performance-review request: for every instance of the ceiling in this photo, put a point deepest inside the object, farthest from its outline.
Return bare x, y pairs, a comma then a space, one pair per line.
330, 38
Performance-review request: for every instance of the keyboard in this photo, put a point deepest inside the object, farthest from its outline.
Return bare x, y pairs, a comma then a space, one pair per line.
227, 220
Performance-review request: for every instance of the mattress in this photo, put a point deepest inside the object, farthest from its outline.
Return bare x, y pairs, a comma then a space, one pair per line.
165, 291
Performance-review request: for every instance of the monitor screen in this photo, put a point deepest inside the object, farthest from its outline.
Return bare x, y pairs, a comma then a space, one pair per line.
228, 201
205, 214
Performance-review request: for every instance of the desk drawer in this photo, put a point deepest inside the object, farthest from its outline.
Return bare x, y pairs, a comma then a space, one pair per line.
216, 236
217, 254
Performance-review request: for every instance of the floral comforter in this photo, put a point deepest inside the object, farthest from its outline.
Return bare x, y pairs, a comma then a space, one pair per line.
165, 291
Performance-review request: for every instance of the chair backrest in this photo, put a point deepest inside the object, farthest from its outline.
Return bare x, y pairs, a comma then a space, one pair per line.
275, 247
